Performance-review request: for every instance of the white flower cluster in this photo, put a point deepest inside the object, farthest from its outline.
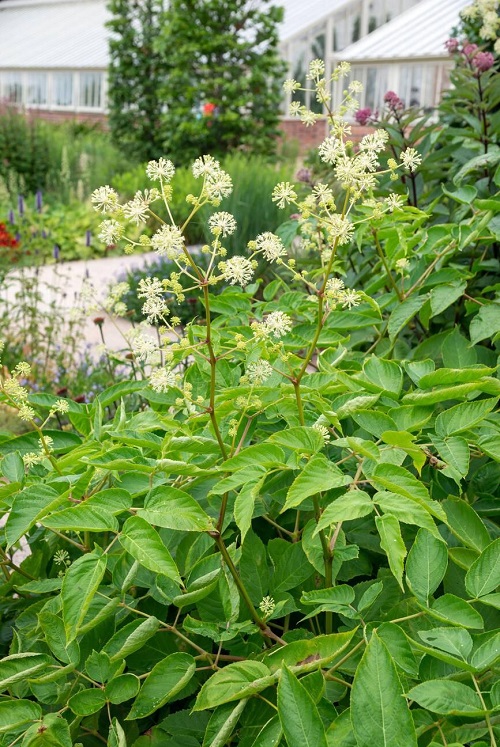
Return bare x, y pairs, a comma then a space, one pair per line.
267, 606
113, 303
136, 210
411, 158
237, 270
105, 199
155, 307
323, 431
162, 380
222, 224
168, 241
161, 170
284, 194
270, 245
486, 11
259, 371
356, 171
111, 231
217, 182
336, 293
144, 346
340, 229
276, 324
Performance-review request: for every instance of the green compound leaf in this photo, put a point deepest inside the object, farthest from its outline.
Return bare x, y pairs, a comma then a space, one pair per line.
426, 565
53, 628
320, 651
487, 654
270, 734
15, 714
384, 376
30, 505
352, 505
87, 702
486, 323
463, 417
484, 574
165, 680
454, 610
21, 667
130, 638
222, 724
116, 735
466, 524
299, 716
82, 518
318, 475
173, 509
392, 544
122, 688
51, 731
80, 583
404, 313
144, 543
234, 682
265, 455
455, 641
379, 714
447, 697
399, 480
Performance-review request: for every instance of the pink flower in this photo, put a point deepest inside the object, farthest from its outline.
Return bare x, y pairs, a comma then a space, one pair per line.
363, 116
393, 101
483, 61
469, 50
452, 44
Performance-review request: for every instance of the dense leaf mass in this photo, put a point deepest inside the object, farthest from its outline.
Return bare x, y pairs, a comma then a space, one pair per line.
284, 529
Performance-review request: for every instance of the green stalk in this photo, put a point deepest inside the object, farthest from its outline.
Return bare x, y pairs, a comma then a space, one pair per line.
380, 253
213, 362
264, 629
486, 715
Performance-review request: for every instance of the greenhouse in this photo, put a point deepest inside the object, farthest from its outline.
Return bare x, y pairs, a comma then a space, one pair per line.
54, 53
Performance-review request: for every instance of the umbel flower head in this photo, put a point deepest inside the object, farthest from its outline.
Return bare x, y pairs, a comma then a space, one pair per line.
237, 270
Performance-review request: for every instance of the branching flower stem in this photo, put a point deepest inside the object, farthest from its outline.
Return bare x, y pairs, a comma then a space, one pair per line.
327, 555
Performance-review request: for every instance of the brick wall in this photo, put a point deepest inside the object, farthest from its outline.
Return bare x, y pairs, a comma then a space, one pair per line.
312, 136
92, 118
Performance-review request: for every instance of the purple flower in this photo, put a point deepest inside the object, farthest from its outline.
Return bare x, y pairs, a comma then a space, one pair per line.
452, 44
88, 238
38, 201
56, 252
20, 204
304, 175
363, 116
12, 218
483, 61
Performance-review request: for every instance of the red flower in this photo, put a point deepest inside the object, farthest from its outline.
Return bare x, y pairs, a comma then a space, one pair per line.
6, 238
208, 109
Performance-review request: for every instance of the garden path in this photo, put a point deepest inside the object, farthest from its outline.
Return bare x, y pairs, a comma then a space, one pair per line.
63, 282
